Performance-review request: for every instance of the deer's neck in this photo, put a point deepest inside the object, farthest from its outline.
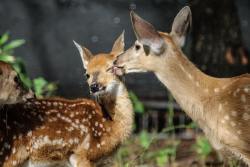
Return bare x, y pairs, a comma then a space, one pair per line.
119, 107
188, 85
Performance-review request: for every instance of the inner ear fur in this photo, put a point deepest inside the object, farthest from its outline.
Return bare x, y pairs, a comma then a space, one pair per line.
181, 25
118, 46
146, 34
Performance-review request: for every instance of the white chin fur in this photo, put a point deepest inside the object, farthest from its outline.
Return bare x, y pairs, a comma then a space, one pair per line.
114, 88
134, 70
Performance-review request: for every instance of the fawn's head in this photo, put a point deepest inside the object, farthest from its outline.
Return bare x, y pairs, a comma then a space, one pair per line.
99, 76
11, 87
151, 45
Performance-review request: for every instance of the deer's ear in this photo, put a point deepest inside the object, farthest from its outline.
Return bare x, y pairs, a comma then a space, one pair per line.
85, 54
147, 35
182, 23
118, 46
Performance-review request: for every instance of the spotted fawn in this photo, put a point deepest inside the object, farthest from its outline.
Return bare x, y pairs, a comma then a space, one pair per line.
61, 132
220, 106
11, 88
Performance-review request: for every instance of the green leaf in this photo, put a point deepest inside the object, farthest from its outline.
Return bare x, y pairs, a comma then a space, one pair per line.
4, 38
38, 85
25, 80
7, 58
162, 160
202, 147
145, 139
137, 104
13, 44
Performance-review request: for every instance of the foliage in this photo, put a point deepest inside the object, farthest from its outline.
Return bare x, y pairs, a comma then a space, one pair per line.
234, 163
202, 147
40, 86
137, 104
145, 139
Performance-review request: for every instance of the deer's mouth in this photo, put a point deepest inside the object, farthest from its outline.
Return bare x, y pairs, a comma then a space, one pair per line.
101, 91
117, 70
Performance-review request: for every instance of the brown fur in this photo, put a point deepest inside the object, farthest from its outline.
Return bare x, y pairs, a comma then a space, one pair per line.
221, 106
57, 131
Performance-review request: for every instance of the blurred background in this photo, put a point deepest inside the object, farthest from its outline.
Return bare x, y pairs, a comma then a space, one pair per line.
218, 44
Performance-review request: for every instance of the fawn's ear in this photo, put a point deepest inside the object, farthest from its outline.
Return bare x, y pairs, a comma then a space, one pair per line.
147, 35
182, 23
118, 46
86, 55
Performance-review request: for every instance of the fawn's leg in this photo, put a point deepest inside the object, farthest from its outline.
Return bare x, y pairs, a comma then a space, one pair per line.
17, 157
79, 160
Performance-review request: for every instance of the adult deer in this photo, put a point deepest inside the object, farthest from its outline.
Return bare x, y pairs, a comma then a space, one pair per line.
220, 106
61, 132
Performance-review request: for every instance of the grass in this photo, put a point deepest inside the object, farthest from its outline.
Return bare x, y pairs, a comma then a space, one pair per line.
151, 150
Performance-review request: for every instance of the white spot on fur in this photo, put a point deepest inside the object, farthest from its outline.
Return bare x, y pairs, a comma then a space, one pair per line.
246, 89
243, 98
206, 90
246, 116
216, 90
220, 107
86, 143
29, 133
14, 150
190, 76
197, 84
58, 132
14, 163
103, 143
55, 104
227, 117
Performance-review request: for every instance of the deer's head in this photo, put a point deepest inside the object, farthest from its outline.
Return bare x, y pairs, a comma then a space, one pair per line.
151, 45
99, 76
11, 87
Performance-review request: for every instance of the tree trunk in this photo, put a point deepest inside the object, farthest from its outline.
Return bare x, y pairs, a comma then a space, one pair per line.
217, 46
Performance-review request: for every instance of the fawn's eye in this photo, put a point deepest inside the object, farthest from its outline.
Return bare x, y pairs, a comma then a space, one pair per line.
137, 47
87, 76
16, 79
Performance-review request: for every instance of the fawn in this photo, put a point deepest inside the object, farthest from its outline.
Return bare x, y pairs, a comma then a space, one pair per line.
220, 106
11, 88
61, 132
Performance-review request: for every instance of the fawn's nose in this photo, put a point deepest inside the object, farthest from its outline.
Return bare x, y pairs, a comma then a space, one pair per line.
94, 87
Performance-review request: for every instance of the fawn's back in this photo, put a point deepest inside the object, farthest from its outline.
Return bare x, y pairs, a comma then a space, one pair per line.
51, 129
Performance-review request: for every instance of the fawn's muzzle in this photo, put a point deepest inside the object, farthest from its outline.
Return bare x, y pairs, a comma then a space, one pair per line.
94, 88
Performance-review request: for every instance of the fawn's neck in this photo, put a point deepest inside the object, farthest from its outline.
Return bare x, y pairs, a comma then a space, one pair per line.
188, 85
119, 107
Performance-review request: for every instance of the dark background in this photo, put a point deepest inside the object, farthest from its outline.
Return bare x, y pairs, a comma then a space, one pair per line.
49, 26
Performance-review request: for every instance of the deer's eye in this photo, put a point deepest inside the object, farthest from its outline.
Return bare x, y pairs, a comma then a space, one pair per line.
137, 47
87, 76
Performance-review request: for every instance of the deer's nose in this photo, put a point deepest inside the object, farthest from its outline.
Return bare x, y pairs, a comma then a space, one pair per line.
94, 87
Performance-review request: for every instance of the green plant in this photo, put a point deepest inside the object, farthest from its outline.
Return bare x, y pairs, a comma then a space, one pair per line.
137, 104
40, 86
145, 139
234, 163
202, 147
165, 155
